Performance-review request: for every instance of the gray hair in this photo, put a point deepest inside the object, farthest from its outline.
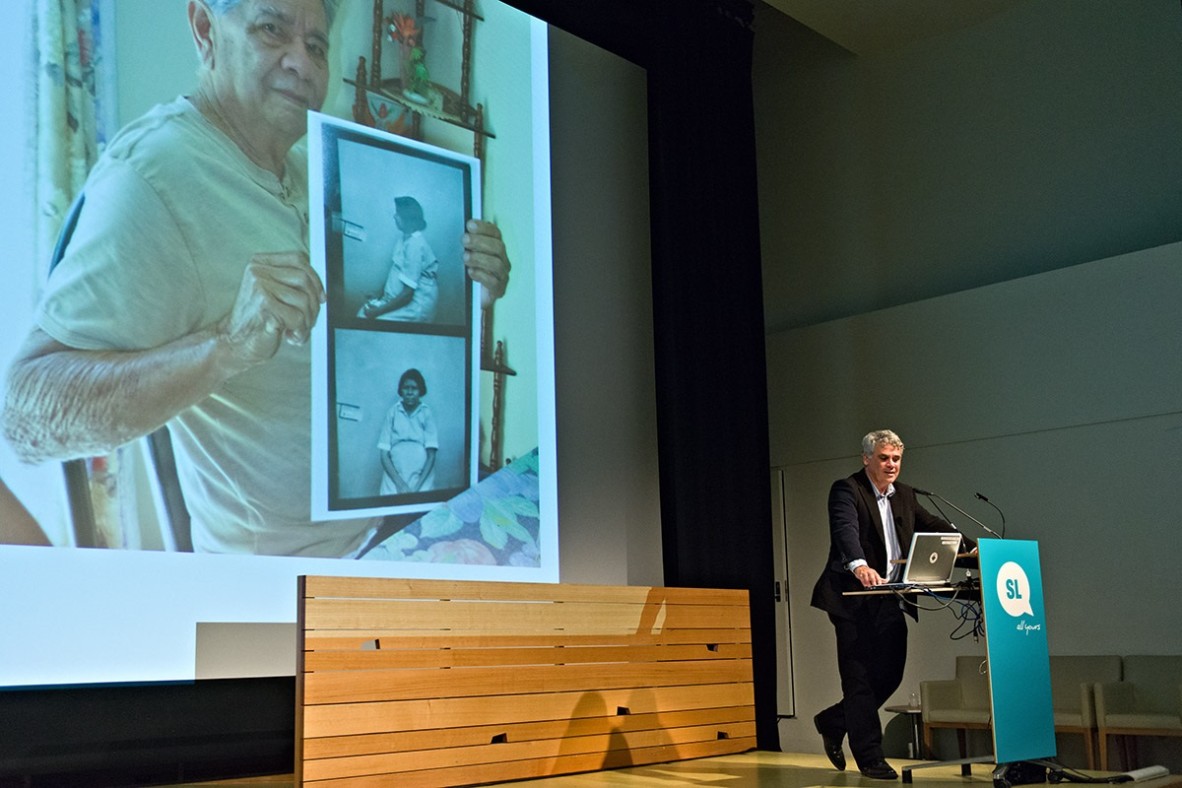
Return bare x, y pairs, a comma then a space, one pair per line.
220, 7
879, 437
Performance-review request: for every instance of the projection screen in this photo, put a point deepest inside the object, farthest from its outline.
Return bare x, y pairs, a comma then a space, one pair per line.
130, 608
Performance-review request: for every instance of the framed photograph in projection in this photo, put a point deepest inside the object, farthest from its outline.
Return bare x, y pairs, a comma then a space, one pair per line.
395, 395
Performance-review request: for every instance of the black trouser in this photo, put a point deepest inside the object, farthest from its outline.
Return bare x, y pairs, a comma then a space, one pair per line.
871, 655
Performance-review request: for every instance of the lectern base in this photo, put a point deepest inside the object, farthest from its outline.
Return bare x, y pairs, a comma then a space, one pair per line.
965, 766
1020, 773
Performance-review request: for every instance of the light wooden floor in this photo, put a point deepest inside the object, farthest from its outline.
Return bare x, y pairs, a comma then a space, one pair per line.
747, 770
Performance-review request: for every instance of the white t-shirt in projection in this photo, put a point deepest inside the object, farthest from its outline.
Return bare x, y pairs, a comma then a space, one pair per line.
174, 211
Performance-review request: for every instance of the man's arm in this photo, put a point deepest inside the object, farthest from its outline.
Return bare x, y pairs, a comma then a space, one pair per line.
17, 526
63, 402
844, 531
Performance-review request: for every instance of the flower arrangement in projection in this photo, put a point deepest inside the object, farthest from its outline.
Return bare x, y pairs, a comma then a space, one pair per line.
404, 30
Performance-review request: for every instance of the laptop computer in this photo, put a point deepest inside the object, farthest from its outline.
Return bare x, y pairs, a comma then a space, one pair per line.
931, 560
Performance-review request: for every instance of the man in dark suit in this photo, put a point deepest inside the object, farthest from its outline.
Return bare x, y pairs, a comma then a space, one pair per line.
871, 631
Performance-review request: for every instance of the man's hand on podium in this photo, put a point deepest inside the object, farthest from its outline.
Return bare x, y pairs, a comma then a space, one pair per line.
868, 577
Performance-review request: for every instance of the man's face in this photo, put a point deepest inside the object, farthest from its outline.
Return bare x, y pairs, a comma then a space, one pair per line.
883, 465
270, 65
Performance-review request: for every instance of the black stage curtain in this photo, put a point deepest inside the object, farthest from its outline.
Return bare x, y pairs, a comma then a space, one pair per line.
708, 323
708, 295
711, 401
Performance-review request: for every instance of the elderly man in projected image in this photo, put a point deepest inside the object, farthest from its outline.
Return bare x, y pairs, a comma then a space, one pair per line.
186, 297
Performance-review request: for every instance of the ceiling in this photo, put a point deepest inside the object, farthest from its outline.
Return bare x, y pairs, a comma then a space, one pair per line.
869, 27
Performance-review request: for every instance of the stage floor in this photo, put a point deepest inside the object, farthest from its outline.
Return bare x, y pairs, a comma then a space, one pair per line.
747, 770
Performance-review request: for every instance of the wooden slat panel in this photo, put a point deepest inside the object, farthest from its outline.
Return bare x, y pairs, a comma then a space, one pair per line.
495, 753
444, 683
355, 640
367, 744
515, 616
395, 588
377, 685
529, 769
408, 715
318, 662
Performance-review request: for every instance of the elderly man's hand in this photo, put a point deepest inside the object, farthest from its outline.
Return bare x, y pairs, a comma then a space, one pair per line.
485, 259
278, 300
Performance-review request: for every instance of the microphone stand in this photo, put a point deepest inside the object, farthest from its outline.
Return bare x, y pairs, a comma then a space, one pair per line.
962, 511
1000, 513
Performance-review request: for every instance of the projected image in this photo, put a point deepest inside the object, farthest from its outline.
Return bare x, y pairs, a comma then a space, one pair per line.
212, 395
164, 254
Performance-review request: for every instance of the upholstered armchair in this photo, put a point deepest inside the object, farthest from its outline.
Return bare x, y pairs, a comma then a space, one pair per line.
1073, 679
961, 703
1147, 702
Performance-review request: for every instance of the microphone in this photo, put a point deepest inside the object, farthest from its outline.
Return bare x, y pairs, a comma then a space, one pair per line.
957, 508
1000, 513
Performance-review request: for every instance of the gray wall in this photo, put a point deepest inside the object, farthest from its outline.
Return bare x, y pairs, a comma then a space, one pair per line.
1045, 137
972, 241
608, 491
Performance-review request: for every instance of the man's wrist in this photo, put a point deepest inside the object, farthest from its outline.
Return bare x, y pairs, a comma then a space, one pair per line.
228, 354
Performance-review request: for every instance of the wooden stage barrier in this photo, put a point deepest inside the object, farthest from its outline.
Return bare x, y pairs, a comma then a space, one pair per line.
420, 683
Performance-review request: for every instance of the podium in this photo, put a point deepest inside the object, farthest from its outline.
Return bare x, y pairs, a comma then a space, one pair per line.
1022, 714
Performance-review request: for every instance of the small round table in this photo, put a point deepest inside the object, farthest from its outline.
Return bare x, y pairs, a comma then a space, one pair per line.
916, 716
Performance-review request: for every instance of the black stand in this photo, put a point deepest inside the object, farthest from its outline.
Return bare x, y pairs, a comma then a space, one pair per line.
1005, 775
1026, 773
966, 768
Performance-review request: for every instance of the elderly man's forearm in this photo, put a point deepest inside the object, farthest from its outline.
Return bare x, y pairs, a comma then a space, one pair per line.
78, 403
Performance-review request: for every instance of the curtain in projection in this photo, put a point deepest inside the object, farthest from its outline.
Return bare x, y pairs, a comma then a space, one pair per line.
68, 139
68, 134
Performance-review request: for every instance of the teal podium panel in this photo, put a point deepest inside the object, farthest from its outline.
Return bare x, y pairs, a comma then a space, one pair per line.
1016, 646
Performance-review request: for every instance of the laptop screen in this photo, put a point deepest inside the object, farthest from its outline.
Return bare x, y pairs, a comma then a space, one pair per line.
932, 558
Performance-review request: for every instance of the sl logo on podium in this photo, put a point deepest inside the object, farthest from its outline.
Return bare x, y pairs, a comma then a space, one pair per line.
1013, 589
1016, 647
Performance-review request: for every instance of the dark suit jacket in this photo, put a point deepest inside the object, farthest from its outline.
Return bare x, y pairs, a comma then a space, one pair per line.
855, 531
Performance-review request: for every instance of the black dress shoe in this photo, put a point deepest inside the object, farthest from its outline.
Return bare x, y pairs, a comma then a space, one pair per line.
832, 747
879, 770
